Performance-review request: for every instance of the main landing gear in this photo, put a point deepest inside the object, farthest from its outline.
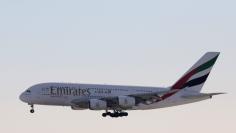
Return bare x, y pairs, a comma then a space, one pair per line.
115, 114
32, 108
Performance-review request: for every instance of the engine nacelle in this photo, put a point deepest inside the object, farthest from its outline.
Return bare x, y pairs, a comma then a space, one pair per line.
96, 104
77, 108
126, 101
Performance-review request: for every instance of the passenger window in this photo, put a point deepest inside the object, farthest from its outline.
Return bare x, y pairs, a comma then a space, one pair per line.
28, 91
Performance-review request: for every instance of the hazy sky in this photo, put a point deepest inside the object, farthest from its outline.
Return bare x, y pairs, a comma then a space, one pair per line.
134, 42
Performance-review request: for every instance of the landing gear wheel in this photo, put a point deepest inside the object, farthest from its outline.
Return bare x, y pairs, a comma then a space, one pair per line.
112, 115
109, 113
104, 114
115, 114
32, 111
123, 114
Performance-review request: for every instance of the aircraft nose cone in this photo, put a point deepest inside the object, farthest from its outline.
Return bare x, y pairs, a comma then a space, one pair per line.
22, 97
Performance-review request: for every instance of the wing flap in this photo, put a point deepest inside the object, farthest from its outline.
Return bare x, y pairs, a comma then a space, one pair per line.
153, 94
80, 104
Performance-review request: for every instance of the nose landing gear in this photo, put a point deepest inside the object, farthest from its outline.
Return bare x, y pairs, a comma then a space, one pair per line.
32, 108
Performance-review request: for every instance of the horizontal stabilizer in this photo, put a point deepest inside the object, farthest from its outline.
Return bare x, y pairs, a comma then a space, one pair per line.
201, 95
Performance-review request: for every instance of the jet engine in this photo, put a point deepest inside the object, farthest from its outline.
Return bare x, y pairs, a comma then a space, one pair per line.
77, 108
96, 104
126, 101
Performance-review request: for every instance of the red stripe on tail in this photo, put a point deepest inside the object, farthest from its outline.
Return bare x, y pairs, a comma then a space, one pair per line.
179, 84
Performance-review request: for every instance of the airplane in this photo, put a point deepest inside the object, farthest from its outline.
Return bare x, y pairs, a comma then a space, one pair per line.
116, 99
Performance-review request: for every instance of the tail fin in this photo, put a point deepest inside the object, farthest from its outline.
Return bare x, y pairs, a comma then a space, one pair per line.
195, 77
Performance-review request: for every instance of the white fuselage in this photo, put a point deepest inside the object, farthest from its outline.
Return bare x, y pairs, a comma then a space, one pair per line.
62, 94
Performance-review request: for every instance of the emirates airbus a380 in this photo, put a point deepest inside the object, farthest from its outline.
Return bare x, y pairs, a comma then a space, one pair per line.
117, 98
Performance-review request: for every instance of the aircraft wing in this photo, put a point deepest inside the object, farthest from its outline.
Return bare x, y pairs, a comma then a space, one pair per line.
145, 98
152, 94
113, 102
150, 98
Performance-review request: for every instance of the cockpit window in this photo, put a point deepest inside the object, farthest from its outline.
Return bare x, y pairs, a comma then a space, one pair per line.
28, 91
